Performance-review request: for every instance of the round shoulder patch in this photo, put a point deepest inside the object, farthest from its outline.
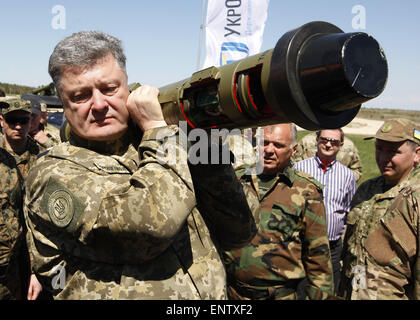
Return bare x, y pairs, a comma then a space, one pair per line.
60, 208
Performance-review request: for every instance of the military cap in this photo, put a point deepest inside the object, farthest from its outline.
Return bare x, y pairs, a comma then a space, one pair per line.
398, 129
14, 104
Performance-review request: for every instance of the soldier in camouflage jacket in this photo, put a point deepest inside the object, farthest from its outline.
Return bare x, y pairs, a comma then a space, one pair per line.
292, 240
15, 139
11, 227
381, 249
15, 115
119, 215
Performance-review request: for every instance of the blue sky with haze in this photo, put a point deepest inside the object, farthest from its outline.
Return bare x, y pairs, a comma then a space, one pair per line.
161, 37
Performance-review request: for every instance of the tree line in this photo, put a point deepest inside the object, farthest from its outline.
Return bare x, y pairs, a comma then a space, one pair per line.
9, 88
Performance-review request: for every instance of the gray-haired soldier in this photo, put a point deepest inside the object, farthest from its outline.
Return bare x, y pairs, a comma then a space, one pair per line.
112, 217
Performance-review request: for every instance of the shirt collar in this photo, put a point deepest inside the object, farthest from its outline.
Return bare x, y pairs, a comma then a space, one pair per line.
321, 165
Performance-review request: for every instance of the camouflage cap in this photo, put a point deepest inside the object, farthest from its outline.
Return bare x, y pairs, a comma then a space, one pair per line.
14, 105
398, 129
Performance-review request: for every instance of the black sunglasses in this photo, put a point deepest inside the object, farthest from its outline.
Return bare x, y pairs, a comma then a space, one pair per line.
14, 121
334, 142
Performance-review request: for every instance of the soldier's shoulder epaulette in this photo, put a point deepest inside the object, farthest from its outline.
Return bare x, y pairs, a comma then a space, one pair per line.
309, 178
409, 190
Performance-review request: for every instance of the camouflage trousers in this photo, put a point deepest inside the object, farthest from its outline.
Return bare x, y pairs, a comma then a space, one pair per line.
10, 284
14, 276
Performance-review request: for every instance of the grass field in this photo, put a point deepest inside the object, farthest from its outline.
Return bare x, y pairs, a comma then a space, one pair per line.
367, 154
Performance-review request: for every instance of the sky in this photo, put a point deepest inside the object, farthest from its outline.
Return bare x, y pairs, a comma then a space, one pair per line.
161, 38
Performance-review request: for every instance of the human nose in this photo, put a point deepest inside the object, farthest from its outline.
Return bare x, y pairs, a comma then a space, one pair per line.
99, 101
384, 157
268, 148
328, 144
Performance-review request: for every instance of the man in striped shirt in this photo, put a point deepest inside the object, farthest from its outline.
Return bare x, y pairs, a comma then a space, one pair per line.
339, 188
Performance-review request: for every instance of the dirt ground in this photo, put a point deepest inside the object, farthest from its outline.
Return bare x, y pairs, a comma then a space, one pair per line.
361, 126
368, 121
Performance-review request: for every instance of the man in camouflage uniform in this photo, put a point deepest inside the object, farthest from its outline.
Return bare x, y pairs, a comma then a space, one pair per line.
114, 211
15, 119
11, 228
348, 154
39, 132
381, 259
292, 240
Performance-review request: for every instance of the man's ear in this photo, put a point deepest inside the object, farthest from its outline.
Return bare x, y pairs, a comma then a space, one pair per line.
294, 148
417, 155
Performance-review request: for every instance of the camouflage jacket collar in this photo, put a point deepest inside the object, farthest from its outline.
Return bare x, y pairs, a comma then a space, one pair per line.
287, 176
97, 162
391, 193
116, 147
31, 151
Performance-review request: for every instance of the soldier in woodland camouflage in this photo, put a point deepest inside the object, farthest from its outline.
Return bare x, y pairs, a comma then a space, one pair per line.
348, 155
381, 259
113, 214
11, 227
292, 240
15, 118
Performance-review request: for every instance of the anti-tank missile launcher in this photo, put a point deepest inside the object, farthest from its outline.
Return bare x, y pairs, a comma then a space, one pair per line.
316, 76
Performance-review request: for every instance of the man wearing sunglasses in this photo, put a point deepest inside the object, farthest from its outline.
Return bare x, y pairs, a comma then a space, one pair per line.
348, 154
18, 155
15, 120
339, 189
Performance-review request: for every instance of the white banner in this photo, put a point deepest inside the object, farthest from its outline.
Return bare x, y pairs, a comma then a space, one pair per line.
234, 30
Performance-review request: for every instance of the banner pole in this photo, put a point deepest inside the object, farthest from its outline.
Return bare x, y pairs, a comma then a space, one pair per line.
203, 10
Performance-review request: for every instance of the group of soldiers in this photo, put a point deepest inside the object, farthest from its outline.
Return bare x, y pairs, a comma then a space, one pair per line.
119, 212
